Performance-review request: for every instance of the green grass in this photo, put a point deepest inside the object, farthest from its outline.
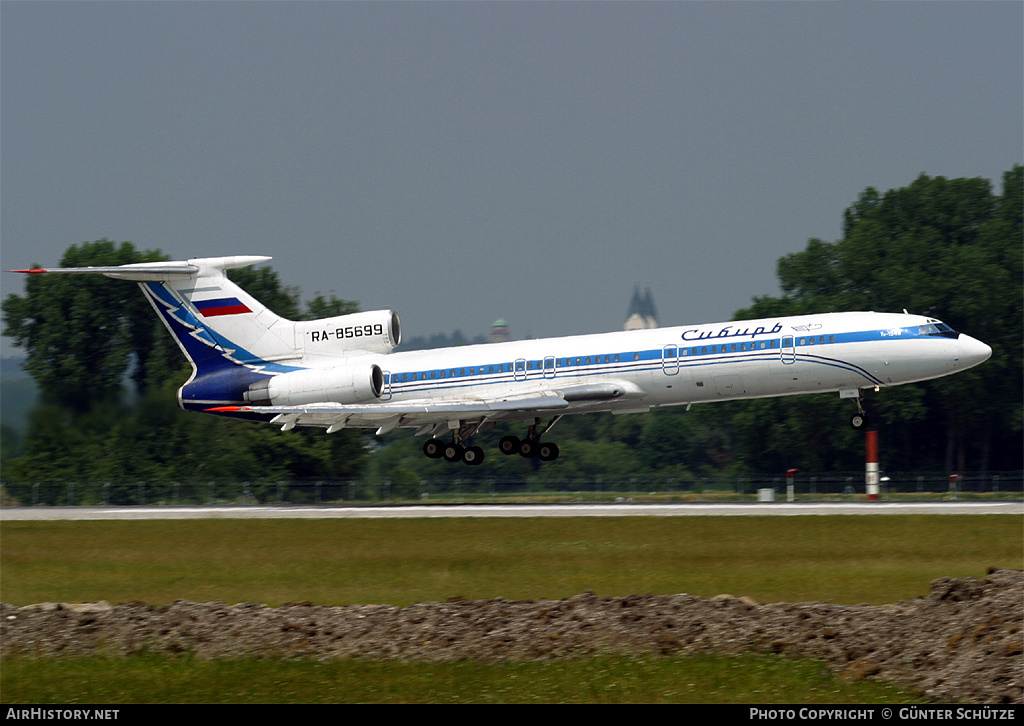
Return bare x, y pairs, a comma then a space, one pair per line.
697, 679
851, 559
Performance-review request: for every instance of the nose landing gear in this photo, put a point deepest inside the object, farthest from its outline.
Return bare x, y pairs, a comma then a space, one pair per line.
859, 421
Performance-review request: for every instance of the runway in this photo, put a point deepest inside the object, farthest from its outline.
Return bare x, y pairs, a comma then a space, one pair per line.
751, 509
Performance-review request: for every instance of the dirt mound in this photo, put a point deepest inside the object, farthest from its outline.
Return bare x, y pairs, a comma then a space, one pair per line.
963, 642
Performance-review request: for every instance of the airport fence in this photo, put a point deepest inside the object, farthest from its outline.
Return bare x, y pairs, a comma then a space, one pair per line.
848, 486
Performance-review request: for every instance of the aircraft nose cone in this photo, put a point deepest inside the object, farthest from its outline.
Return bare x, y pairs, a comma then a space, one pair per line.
972, 351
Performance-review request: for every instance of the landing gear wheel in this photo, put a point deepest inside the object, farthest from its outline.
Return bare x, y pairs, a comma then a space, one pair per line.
509, 445
453, 452
547, 452
433, 449
527, 448
474, 456
859, 421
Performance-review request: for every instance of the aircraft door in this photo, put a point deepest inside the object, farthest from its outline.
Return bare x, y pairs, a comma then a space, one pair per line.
549, 366
520, 369
670, 360
788, 351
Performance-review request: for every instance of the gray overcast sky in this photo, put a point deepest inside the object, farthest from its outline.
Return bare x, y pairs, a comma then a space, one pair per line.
466, 161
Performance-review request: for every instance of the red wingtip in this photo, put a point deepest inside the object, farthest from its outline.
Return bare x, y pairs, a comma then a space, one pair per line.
226, 408
31, 272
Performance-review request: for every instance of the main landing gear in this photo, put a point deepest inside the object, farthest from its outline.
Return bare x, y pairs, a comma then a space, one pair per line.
528, 448
453, 451
458, 448
531, 446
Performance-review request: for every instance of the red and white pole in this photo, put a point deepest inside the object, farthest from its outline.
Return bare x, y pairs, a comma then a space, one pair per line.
790, 489
871, 477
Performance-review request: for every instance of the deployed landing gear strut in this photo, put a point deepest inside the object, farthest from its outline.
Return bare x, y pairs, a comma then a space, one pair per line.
859, 420
531, 446
456, 449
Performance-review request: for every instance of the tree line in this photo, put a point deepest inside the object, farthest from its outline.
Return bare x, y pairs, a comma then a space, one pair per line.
107, 371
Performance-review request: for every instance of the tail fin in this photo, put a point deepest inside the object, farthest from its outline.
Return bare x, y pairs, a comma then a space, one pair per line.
231, 339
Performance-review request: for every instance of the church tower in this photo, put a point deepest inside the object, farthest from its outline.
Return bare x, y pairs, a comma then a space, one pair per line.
642, 314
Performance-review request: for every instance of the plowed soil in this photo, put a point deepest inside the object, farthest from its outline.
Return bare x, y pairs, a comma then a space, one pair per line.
964, 641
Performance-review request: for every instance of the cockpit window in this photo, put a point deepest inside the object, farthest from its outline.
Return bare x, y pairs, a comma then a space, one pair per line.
936, 327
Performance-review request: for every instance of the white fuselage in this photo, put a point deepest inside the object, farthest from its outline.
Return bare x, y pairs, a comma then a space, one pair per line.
691, 364
338, 372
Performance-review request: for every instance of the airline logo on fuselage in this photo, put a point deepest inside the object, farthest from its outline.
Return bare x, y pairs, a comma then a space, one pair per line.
729, 332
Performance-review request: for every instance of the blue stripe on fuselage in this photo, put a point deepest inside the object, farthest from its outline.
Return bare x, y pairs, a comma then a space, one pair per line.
708, 353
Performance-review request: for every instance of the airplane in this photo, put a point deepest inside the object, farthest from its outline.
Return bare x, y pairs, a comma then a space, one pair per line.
343, 372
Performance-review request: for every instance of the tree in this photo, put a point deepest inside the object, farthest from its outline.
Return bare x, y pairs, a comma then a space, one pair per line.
82, 335
85, 336
948, 248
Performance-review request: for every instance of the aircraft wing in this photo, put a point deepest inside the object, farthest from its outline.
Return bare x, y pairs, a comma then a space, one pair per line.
420, 412
448, 408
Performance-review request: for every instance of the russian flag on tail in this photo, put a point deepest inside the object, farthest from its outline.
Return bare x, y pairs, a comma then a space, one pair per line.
221, 306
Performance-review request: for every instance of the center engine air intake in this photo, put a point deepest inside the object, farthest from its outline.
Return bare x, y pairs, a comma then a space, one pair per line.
339, 384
